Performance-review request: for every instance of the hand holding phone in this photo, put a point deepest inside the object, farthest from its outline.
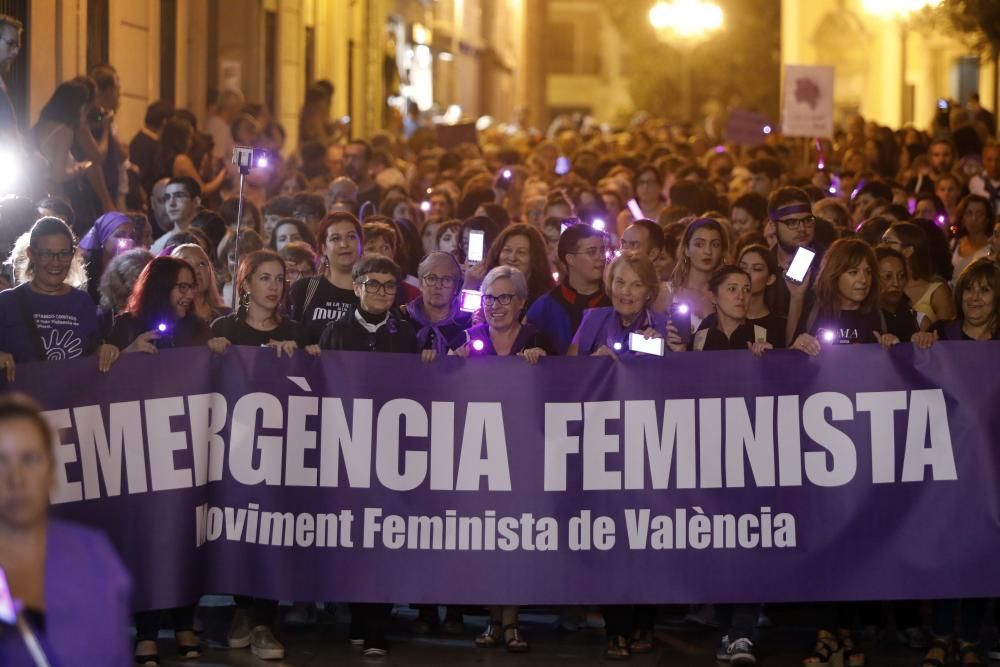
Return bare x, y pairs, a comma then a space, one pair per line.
477, 242
799, 267
639, 343
680, 317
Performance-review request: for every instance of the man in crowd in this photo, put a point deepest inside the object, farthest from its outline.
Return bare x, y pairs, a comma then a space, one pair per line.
357, 167
182, 199
582, 249
144, 150
987, 184
765, 175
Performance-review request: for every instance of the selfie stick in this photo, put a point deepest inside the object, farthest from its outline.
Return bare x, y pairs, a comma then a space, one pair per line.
245, 158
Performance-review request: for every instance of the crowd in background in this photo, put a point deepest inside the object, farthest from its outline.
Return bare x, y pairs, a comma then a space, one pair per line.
577, 240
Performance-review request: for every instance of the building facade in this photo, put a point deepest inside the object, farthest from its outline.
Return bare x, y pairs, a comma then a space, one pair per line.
377, 53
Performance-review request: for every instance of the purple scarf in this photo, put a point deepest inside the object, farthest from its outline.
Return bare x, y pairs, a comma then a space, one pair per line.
415, 309
102, 230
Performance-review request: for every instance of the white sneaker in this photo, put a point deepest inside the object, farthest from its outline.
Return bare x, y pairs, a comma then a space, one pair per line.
740, 652
239, 629
264, 645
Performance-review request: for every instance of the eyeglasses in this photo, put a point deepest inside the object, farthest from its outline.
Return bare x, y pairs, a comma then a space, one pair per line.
185, 287
797, 223
502, 299
444, 281
374, 286
49, 255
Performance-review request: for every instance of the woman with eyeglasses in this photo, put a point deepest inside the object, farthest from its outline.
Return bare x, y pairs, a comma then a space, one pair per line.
436, 314
632, 283
44, 319
159, 315
371, 327
160, 310
331, 295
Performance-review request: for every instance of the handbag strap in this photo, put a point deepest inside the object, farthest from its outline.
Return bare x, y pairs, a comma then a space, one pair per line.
29, 322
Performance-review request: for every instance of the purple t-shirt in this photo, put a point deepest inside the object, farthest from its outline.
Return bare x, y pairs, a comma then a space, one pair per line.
67, 324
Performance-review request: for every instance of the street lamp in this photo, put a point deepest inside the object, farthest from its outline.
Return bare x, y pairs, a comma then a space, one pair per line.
684, 24
900, 11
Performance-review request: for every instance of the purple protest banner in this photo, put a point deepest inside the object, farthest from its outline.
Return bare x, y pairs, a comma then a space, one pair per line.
709, 477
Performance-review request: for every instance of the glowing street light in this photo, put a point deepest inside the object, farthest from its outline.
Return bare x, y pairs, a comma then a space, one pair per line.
682, 24
690, 19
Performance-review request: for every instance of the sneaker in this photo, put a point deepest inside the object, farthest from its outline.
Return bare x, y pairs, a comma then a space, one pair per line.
738, 652
239, 629
264, 645
373, 650
704, 616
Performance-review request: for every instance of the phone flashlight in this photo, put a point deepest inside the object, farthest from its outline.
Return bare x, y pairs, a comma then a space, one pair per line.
826, 335
478, 345
425, 206
617, 345
598, 224
162, 327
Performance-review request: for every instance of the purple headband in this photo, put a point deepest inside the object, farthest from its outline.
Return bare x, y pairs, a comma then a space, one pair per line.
102, 230
779, 213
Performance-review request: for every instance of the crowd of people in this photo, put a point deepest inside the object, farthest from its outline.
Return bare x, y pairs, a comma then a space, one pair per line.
525, 244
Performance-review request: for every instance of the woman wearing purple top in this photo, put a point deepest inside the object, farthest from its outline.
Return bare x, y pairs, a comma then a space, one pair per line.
633, 285
72, 588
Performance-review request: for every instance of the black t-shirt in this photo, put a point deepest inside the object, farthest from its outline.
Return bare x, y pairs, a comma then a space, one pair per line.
849, 327
347, 333
716, 339
239, 332
773, 324
903, 323
328, 304
187, 332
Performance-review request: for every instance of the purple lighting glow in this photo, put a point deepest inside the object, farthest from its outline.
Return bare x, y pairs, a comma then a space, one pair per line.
478, 345
162, 327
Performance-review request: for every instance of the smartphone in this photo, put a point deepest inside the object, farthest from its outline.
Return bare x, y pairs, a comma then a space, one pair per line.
471, 300
638, 343
800, 265
680, 317
942, 103
504, 178
633, 207
477, 240
8, 614
562, 165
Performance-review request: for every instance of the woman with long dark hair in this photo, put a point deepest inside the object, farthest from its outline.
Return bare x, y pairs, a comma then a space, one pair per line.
160, 310
930, 296
846, 309
761, 265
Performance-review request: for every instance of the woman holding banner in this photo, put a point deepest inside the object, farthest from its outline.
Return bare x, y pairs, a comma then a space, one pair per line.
977, 304
728, 328
846, 309
371, 327
703, 249
74, 589
633, 285
45, 319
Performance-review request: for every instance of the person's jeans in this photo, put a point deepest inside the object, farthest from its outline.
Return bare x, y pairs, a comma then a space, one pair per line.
738, 620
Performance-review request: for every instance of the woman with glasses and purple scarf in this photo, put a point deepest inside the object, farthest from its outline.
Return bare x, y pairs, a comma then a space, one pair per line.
436, 314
